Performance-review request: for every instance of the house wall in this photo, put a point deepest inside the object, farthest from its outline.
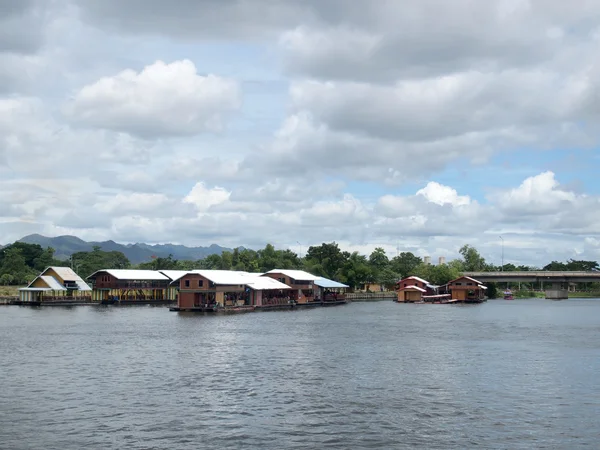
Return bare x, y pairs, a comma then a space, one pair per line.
39, 283
185, 300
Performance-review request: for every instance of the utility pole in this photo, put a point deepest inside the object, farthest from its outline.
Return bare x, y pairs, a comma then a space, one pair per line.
502, 267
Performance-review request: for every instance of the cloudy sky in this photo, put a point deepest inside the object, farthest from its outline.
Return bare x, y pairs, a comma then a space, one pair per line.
418, 125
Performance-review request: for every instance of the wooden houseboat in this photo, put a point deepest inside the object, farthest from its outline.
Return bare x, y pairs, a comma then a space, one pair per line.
411, 289
467, 290
417, 290
301, 282
125, 286
55, 285
212, 290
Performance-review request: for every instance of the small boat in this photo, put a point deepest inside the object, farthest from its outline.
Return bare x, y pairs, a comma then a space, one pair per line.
508, 295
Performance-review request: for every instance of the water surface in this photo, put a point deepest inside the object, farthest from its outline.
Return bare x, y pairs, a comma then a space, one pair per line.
520, 374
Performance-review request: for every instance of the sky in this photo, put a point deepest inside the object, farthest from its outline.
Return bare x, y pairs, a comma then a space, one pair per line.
412, 125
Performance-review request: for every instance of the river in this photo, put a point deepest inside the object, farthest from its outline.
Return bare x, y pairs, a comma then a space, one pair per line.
503, 374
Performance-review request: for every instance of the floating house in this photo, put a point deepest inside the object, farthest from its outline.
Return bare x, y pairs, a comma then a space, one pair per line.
329, 291
416, 290
208, 290
301, 282
55, 285
412, 289
467, 290
125, 286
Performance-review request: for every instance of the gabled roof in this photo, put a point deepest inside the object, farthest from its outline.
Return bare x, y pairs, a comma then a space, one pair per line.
420, 280
300, 275
466, 278
52, 283
327, 283
174, 275
66, 273
132, 274
265, 284
416, 288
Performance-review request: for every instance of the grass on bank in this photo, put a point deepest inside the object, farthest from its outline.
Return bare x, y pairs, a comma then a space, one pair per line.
9, 291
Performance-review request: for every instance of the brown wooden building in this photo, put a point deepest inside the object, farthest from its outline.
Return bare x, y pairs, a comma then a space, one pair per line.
413, 289
212, 289
301, 282
467, 290
130, 286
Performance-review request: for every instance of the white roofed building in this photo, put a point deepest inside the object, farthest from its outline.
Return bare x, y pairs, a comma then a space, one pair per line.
125, 286
212, 289
55, 284
302, 283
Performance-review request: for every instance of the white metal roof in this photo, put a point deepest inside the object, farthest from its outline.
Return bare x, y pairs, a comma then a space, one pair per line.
82, 286
417, 288
66, 273
52, 283
264, 283
133, 274
300, 275
421, 280
327, 283
174, 275
225, 277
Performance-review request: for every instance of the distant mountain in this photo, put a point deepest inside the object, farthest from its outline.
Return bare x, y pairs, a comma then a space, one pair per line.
65, 246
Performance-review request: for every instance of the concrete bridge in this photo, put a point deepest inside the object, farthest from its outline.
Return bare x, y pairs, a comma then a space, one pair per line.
556, 279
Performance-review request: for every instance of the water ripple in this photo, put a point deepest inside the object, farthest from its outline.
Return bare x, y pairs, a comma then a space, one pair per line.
364, 376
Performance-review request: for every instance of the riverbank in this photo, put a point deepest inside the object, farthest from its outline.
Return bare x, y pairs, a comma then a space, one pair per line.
542, 294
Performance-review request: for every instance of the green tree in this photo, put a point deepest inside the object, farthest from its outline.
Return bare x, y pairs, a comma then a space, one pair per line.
86, 263
378, 261
7, 279
326, 260
472, 260
14, 264
405, 263
388, 278
355, 270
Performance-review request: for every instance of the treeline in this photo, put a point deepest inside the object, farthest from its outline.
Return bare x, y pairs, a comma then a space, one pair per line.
20, 263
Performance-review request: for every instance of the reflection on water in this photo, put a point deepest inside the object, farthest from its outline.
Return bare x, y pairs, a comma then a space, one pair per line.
519, 374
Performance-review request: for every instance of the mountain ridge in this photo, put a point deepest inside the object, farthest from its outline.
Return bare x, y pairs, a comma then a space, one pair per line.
139, 252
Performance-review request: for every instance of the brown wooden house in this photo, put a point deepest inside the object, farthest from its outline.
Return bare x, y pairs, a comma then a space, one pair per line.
301, 282
213, 289
467, 290
130, 286
412, 289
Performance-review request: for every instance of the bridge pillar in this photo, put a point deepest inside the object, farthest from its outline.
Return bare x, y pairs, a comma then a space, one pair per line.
556, 292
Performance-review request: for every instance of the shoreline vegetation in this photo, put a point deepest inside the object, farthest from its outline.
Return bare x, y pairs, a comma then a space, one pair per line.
372, 275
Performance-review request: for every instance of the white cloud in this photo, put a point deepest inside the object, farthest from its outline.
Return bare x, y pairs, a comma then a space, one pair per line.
537, 195
442, 195
161, 100
351, 112
203, 198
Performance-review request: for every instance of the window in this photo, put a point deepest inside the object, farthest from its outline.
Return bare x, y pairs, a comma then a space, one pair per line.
281, 280
187, 283
200, 283
457, 284
469, 284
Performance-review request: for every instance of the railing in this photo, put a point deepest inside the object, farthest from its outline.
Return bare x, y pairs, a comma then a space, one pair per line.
374, 296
